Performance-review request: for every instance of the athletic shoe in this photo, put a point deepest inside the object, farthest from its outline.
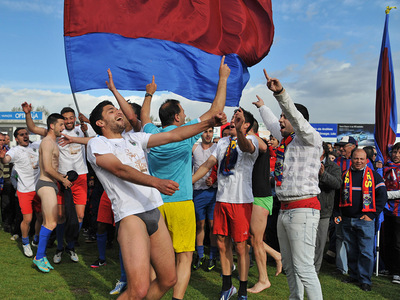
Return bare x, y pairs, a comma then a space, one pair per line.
27, 250
396, 279
57, 256
99, 263
384, 273
225, 295
48, 263
41, 264
74, 257
198, 262
211, 264
119, 288
242, 297
14, 237
35, 244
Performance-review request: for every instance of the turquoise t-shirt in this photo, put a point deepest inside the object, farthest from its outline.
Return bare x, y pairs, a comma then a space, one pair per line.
173, 161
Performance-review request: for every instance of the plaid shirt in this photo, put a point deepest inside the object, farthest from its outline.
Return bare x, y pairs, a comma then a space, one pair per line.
302, 156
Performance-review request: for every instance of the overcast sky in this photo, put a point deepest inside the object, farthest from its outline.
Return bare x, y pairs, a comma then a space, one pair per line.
325, 53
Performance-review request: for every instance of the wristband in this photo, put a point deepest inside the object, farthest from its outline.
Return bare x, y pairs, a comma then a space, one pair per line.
277, 93
148, 95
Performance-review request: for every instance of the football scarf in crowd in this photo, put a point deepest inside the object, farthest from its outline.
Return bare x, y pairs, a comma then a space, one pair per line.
230, 158
367, 190
391, 172
280, 157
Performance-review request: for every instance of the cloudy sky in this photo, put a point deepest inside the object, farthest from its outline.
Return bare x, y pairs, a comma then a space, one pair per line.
325, 53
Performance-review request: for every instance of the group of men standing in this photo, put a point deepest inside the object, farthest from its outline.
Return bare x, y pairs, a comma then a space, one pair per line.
152, 194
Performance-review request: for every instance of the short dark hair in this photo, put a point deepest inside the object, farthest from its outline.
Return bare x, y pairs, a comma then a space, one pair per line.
370, 152
248, 118
53, 118
167, 111
303, 110
97, 114
255, 126
66, 110
395, 147
137, 109
16, 131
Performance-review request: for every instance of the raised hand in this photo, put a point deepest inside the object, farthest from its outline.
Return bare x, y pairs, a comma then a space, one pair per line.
82, 118
27, 108
219, 119
110, 82
151, 88
258, 103
273, 83
239, 119
224, 70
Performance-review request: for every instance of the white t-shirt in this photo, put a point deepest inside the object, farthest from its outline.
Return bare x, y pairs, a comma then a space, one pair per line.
72, 156
126, 198
26, 164
199, 157
236, 188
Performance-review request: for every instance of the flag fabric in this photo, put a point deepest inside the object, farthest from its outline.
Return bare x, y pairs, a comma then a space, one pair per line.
386, 108
181, 43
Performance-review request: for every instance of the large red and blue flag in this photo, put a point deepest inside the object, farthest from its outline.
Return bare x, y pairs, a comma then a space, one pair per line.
180, 42
385, 107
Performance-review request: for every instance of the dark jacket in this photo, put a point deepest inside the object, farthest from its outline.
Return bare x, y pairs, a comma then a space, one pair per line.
329, 182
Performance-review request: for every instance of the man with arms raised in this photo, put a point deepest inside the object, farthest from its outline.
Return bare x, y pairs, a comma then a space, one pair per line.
72, 157
121, 167
46, 187
235, 155
174, 161
296, 181
25, 157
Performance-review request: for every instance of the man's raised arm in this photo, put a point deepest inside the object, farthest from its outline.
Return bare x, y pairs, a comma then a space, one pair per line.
145, 112
123, 104
184, 132
220, 97
27, 108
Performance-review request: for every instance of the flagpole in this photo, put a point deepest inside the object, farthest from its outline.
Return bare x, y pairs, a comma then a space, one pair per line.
381, 149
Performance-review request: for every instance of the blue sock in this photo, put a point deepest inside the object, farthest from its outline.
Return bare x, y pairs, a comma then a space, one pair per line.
213, 252
36, 238
25, 240
200, 251
44, 237
60, 236
101, 245
123, 273
80, 225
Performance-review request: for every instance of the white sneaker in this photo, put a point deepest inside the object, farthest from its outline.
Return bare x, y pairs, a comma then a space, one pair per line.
73, 255
396, 279
27, 250
119, 287
57, 256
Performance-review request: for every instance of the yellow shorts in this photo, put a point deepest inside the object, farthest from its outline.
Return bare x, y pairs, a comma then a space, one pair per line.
181, 223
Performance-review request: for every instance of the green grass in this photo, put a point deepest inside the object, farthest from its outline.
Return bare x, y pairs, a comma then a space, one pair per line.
19, 279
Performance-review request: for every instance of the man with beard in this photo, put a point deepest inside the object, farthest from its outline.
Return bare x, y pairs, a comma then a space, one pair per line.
46, 187
204, 201
72, 157
120, 164
25, 158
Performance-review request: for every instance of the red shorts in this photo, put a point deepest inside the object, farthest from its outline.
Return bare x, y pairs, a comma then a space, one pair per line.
28, 202
79, 191
105, 213
233, 220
